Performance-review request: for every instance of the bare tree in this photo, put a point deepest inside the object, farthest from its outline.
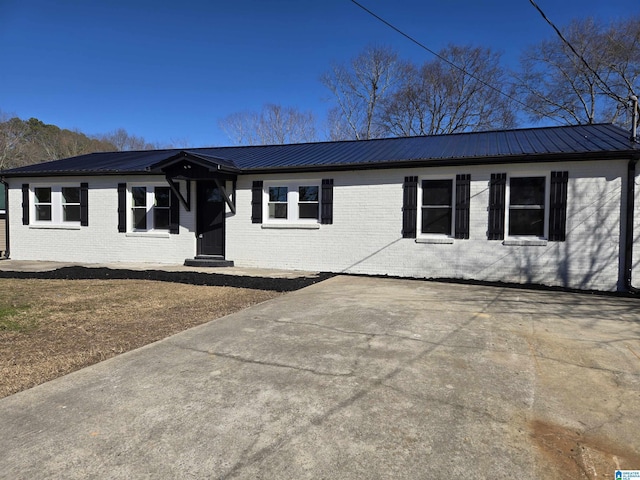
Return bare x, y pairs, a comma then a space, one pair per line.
241, 128
585, 76
124, 141
622, 41
336, 127
12, 134
457, 92
71, 143
360, 87
49, 142
274, 125
177, 142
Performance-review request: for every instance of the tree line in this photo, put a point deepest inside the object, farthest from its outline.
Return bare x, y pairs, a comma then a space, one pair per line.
24, 142
585, 75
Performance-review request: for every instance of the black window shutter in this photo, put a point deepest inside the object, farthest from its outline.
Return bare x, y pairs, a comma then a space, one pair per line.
326, 209
174, 213
25, 204
122, 207
558, 206
497, 190
463, 199
256, 202
409, 207
84, 204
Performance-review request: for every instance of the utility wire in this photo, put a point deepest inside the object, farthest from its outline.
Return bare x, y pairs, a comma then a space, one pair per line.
579, 56
424, 47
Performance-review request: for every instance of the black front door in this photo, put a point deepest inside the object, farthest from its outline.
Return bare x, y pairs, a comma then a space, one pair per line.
210, 212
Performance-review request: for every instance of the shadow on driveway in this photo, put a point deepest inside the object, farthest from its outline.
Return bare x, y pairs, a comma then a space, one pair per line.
349, 378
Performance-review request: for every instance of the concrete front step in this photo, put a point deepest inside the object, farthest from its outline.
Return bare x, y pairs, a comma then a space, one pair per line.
207, 261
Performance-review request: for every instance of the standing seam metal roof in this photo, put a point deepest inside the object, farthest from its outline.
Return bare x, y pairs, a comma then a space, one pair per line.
501, 145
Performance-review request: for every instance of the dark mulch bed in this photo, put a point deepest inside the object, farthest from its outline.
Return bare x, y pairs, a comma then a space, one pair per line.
190, 278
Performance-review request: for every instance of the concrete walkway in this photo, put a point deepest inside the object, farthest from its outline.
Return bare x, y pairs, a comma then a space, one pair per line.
351, 378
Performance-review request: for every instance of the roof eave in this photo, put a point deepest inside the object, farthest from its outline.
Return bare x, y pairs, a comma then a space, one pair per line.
74, 173
449, 162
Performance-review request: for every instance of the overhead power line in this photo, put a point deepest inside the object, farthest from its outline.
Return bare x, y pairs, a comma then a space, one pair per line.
578, 55
449, 62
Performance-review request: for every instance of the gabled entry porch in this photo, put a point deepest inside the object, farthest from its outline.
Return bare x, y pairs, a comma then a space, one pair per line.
210, 225
215, 184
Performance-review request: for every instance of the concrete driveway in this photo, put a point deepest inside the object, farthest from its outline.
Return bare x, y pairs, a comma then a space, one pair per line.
353, 378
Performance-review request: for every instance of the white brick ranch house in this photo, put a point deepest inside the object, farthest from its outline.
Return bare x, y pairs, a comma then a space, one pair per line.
551, 206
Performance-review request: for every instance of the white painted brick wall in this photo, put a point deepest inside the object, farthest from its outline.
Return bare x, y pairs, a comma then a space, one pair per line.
635, 270
100, 241
366, 233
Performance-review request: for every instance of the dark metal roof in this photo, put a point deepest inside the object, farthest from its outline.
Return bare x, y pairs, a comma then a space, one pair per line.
503, 146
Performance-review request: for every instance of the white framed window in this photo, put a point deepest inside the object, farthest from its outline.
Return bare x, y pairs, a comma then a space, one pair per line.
149, 208
3, 204
278, 205
527, 212
292, 202
437, 202
43, 204
55, 204
70, 204
308, 201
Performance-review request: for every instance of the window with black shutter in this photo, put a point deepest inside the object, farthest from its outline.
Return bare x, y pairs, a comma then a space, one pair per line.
444, 207
303, 203
532, 208
63, 205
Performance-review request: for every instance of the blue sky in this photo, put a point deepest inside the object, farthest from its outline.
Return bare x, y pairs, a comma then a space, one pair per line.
169, 71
